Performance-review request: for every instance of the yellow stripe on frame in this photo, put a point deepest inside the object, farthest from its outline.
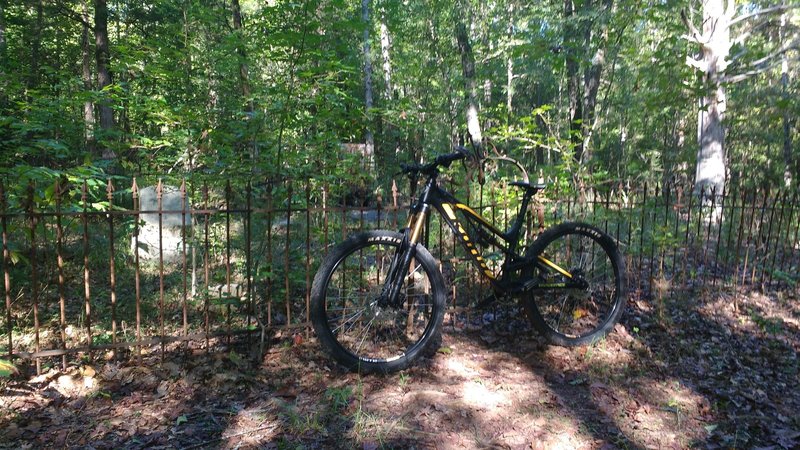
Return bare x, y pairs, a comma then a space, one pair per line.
449, 211
477, 216
554, 266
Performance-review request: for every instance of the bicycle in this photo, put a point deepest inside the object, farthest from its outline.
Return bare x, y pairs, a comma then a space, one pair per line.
378, 298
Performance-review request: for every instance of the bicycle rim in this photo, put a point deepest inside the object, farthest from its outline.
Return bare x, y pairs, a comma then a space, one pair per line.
578, 315
363, 327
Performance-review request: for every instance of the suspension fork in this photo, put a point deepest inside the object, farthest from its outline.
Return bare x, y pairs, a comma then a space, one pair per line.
402, 259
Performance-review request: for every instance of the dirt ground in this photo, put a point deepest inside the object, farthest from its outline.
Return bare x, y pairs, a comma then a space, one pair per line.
677, 373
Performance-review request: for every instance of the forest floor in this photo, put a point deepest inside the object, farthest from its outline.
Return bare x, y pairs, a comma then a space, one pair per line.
682, 372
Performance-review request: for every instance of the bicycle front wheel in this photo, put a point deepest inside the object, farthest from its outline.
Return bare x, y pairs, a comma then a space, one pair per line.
352, 321
594, 275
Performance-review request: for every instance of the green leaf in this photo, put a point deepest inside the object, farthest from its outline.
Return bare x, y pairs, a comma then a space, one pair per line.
181, 419
234, 301
7, 369
235, 358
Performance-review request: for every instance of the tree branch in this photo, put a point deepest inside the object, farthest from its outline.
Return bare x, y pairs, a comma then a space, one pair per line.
792, 44
696, 35
773, 9
747, 75
730, 10
70, 14
697, 64
738, 40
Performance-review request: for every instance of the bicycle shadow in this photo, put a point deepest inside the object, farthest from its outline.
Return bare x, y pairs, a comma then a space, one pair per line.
697, 376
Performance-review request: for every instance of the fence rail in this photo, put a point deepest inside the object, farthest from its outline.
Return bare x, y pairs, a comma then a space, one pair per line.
87, 267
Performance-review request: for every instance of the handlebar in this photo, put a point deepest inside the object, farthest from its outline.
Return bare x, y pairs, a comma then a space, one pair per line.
440, 161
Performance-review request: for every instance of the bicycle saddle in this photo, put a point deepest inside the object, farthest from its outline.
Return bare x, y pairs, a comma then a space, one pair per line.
529, 188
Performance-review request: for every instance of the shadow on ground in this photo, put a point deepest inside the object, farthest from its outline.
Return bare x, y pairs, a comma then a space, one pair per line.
676, 373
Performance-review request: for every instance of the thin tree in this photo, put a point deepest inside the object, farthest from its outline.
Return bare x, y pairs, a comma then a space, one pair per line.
581, 32
3, 56
369, 145
791, 167
36, 47
102, 56
470, 88
86, 74
244, 71
386, 45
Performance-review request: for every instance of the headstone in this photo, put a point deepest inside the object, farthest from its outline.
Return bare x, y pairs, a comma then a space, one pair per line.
167, 235
170, 201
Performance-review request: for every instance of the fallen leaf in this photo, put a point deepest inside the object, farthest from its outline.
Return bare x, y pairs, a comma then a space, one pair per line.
162, 389
88, 371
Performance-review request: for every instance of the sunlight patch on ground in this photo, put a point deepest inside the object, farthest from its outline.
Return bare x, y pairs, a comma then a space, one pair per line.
562, 441
251, 426
478, 395
460, 368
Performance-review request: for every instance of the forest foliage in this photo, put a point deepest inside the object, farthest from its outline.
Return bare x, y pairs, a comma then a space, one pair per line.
573, 88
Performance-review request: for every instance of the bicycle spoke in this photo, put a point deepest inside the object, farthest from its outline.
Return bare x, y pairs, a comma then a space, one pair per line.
356, 315
362, 327
583, 308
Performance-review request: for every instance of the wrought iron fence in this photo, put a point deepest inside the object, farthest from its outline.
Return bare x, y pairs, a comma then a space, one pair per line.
91, 266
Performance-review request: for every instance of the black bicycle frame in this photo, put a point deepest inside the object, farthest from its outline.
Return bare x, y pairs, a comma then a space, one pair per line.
507, 242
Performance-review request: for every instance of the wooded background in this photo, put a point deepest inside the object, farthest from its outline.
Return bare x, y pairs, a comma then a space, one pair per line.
583, 90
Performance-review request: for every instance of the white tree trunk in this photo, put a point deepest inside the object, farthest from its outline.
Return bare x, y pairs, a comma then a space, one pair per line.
387, 61
711, 163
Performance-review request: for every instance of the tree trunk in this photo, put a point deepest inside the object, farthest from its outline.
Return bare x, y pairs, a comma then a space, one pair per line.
572, 35
510, 62
452, 107
102, 55
3, 57
244, 76
387, 62
790, 168
86, 74
244, 71
710, 173
36, 47
369, 147
187, 97
470, 88
592, 77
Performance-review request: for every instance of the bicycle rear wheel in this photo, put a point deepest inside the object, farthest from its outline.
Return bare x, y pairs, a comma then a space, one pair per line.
580, 315
352, 321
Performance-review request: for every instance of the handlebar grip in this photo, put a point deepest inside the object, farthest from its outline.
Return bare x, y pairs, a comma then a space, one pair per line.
446, 160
